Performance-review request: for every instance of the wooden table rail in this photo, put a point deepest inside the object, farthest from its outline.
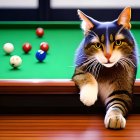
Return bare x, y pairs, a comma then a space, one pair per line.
45, 86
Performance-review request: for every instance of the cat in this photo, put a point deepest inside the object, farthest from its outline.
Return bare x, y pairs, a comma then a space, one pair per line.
106, 65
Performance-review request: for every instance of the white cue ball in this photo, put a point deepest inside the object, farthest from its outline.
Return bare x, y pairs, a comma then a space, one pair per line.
8, 47
15, 61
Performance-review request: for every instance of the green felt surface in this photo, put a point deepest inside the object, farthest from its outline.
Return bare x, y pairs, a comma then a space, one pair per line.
63, 38
59, 61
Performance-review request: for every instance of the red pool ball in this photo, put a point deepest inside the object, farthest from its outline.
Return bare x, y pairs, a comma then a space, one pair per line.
39, 32
44, 46
26, 47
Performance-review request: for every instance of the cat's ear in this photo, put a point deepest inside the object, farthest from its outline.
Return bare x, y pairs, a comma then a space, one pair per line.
86, 22
124, 18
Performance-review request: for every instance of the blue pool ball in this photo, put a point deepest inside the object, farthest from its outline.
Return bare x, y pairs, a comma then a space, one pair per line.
40, 55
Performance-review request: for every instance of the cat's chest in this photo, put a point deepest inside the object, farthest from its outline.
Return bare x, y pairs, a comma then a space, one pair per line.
109, 74
108, 81
105, 89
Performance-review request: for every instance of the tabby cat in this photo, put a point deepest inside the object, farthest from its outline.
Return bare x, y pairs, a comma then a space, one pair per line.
106, 63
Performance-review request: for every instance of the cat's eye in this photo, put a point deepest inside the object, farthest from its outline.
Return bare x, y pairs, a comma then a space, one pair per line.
97, 45
118, 42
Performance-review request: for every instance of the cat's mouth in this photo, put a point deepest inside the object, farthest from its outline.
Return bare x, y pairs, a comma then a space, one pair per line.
109, 64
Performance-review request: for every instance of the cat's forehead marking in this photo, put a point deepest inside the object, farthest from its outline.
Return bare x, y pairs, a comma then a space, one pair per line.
119, 37
102, 38
111, 37
106, 31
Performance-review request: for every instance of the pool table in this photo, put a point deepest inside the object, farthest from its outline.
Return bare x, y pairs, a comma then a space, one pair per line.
53, 75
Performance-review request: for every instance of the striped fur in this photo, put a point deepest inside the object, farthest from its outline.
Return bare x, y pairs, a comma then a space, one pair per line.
120, 99
106, 65
118, 104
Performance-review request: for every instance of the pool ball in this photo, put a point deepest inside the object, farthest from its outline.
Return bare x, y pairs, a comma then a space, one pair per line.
40, 55
8, 47
44, 46
26, 47
15, 61
39, 32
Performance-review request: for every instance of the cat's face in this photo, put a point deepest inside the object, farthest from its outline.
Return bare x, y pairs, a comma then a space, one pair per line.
108, 42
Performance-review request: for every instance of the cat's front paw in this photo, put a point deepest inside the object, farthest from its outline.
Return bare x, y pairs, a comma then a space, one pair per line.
116, 121
88, 94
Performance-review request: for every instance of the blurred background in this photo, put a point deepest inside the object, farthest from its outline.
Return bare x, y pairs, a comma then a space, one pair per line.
65, 10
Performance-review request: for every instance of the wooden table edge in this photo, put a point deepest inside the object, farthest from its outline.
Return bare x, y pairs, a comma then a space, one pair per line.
45, 86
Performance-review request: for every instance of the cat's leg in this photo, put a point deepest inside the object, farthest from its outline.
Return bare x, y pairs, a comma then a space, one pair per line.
88, 87
118, 105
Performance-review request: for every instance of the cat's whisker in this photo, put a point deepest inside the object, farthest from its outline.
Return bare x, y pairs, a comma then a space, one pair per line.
95, 69
92, 60
78, 60
129, 61
126, 65
92, 65
89, 67
89, 60
85, 62
99, 67
123, 64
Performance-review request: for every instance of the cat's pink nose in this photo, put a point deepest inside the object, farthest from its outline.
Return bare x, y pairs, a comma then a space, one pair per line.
108, 55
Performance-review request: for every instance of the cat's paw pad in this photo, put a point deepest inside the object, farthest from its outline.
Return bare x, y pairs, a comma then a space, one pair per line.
88, 94
115, 122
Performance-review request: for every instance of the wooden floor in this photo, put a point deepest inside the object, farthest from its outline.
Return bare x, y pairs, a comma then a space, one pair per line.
65, 127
